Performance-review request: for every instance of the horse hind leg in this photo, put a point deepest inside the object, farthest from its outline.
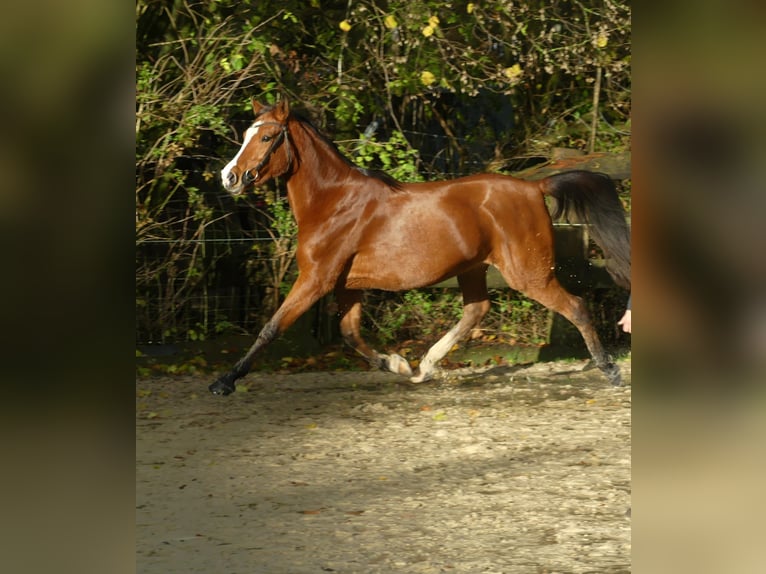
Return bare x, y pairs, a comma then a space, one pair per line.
573, 308
475, 306
350, 308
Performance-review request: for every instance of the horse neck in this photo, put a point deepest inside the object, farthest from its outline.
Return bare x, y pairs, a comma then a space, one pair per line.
320, 176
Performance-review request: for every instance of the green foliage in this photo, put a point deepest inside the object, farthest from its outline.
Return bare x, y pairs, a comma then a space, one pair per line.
283, 221
394, 156
396, 317
428, 314
283, 231
420, 69
517, 318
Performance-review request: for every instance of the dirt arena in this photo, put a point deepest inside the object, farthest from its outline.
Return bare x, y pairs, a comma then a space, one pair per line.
504, 470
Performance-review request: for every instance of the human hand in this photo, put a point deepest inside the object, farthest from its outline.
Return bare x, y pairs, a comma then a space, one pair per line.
625, 321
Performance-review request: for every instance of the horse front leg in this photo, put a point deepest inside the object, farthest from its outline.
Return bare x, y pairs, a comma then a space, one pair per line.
302, 296
350, 309
473, 284
472, 316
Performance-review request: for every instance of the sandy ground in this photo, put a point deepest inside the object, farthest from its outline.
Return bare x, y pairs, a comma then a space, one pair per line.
503, 470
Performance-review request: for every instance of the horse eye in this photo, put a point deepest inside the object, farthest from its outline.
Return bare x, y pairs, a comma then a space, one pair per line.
266, 138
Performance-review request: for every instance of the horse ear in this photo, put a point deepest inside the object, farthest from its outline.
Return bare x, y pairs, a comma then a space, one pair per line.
257, 106
282, 109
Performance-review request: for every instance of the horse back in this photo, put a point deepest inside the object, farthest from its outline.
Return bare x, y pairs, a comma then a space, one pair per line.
427, 232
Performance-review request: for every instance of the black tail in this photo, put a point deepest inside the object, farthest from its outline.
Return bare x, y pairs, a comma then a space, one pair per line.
587, 197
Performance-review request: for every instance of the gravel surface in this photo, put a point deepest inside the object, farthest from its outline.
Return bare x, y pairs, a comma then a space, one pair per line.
504, 470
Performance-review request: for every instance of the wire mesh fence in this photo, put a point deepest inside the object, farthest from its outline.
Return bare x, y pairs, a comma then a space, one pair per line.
236, 283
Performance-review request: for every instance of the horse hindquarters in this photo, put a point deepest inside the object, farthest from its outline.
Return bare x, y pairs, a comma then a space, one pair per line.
525, 257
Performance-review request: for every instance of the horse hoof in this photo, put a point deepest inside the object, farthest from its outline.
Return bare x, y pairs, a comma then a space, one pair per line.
222, 387
397, 364
612, 373
422, 377
401, 366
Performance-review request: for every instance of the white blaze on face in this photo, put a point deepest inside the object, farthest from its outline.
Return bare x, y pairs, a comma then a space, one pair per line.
249, 134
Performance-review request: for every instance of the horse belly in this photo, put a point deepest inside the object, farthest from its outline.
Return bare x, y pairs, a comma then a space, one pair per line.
395, 278
399, 265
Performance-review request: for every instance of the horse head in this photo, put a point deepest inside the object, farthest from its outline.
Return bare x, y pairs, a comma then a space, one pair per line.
266, 150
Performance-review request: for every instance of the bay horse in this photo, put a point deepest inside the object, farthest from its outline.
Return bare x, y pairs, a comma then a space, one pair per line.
359, 229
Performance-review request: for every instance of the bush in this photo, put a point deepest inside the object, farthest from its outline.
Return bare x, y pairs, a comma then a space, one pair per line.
439, 90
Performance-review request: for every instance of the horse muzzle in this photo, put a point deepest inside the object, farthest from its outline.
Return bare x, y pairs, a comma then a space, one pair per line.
236, 185
230, 180
250, 177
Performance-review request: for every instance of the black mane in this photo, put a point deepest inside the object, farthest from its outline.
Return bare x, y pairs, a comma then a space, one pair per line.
374, 173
